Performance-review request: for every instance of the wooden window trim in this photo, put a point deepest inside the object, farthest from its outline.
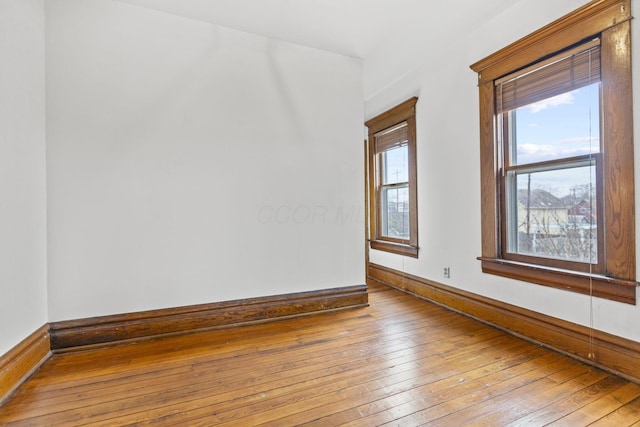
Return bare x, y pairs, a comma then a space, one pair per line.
610, 20
404, 112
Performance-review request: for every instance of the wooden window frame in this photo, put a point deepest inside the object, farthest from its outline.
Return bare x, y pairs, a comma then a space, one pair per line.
405, 112
609, 20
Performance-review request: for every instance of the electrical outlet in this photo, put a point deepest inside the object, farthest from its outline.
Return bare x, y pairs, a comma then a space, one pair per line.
447, 272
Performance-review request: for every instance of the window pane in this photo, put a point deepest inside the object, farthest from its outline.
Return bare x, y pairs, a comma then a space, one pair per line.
395, 166
395, 212
554, 214
562, 126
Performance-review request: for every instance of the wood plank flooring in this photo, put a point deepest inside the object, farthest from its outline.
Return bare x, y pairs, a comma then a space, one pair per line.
400, 362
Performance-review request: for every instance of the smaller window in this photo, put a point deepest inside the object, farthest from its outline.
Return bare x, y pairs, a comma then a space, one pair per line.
392, 180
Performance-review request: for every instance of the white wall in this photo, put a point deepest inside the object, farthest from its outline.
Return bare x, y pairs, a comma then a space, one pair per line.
448, 162
23, 268
189, 163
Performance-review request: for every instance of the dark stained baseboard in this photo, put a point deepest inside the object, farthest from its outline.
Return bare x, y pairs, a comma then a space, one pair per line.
609, 352
23, 360
115, 329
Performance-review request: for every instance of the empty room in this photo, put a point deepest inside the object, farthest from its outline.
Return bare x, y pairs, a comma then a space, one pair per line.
327, 213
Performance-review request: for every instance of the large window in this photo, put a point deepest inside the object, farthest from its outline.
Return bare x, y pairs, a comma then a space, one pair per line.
548, 119
392, 180
557, 155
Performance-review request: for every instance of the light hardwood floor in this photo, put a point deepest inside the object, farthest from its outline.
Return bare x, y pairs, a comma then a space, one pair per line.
401, 361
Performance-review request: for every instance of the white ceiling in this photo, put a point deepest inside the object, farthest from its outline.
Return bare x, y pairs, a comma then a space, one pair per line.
392, 37
349, 27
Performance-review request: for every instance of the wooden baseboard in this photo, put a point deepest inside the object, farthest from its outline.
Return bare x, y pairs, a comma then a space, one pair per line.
109, 330
606, 351
23, 360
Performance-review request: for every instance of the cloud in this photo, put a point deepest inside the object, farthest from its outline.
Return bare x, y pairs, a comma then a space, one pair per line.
586, 141
555, 101
531, 153
570, 147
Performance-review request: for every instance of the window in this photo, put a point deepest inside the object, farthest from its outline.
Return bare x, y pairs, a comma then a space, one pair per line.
548, 120
557, 155
393, 217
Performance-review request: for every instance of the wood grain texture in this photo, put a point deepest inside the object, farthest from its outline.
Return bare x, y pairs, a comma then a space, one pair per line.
114, 329
23, 360
488, 172
609, 352
588, 284
587, 21
400, 361
617, 102
392, 116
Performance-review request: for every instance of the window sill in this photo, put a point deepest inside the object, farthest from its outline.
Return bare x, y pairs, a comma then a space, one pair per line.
396, 248
583, 283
